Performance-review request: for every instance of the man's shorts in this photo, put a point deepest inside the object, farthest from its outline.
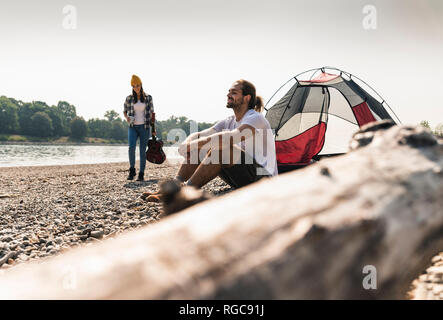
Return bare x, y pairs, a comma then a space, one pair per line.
243, 173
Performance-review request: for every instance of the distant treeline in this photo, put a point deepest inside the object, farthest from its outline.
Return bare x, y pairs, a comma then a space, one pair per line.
37, 119
438, 130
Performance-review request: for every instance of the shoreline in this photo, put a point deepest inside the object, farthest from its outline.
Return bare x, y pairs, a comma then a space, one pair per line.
58, 166
165, 144
61, 143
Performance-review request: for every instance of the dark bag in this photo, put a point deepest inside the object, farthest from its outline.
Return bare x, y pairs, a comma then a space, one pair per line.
155, 153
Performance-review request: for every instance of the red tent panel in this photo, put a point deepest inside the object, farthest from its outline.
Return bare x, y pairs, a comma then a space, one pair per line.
300, 149
323, 77
363, 114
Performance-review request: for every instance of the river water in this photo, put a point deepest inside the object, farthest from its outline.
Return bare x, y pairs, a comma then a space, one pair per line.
47, 155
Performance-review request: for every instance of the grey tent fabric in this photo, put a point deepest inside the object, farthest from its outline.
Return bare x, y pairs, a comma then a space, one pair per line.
308, 103
373, 103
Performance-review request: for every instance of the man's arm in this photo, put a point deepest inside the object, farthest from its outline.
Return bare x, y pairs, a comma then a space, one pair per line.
200, 134
184, 148
218, 140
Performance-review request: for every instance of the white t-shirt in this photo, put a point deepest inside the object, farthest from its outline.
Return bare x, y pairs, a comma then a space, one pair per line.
264, 151
139, 112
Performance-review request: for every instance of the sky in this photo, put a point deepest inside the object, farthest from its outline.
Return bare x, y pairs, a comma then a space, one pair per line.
189, 52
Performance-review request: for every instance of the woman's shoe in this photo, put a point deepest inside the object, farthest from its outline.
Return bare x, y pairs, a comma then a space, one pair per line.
141, 176
131, 174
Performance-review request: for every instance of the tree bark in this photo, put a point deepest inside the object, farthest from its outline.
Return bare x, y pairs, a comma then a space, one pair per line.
303, 235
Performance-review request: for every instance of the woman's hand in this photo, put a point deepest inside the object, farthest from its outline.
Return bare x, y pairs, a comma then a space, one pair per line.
130, 119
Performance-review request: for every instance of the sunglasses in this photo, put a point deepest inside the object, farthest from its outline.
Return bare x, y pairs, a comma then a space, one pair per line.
137, 86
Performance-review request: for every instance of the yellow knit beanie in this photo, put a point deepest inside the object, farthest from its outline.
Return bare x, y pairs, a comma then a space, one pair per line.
135, 80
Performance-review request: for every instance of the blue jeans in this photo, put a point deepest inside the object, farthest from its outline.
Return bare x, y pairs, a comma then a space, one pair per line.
134, 132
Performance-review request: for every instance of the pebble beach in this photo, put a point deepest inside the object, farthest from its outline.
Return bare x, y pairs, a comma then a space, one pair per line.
46, 210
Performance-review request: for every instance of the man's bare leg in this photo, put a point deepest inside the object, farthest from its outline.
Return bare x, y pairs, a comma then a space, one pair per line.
185, 171
207, 170
202, 173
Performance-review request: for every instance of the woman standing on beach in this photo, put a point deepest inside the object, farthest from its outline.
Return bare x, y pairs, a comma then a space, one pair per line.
138, 109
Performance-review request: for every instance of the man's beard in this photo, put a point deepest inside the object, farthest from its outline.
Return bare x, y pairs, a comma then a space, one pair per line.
233, 105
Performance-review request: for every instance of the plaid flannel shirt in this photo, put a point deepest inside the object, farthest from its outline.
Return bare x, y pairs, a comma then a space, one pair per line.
128, 107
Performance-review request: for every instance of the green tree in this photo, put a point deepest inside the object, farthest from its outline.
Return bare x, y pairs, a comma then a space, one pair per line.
165, 126
41, 125
111, 116
79, 128
8, 116
439, 130
99, 128
57, 122
425, 124
119, 131
25, 112
67, 113
204, 125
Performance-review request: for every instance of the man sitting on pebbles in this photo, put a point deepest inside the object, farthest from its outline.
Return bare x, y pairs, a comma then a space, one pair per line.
239, 149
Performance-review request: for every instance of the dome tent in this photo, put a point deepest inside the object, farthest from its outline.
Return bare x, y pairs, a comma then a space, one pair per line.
316, 112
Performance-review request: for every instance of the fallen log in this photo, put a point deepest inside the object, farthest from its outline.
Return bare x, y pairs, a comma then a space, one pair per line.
319, 232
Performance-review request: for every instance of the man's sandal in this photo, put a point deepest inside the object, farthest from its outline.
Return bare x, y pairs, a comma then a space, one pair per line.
145, 195
154, 198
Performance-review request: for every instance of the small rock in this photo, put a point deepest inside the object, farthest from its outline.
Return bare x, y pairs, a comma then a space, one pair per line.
23, 257
438, 289
85, 231
25, 244
7, 239
83, 237
97, 234
435, 278
434, 270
